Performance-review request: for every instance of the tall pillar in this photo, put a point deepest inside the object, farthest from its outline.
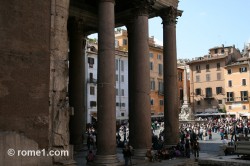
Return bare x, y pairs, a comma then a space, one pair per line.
140, 135
76, 81
171, 110
106, 99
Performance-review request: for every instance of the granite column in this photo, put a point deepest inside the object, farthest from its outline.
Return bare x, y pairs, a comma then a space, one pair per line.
106, 112
171, 110
140, 135
77, 81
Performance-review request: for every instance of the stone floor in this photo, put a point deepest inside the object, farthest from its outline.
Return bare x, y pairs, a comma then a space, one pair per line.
210, 155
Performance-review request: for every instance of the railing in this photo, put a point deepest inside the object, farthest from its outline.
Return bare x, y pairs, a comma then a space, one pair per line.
92, 80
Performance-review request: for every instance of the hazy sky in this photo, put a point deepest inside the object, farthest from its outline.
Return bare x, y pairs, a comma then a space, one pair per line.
208, 23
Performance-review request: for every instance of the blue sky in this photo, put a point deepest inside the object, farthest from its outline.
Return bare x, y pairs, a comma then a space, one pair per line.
206, 24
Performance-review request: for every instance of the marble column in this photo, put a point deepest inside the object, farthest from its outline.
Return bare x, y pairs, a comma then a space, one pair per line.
140, 136
106, 113
171, 110
76, 81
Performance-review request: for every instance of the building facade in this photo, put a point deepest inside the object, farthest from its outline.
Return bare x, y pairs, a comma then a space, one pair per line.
207, 81
156, 72
121, 77
237, 79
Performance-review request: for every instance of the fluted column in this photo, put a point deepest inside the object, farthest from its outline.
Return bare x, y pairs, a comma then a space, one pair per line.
106, 115
77, 81
171, 111
139, 79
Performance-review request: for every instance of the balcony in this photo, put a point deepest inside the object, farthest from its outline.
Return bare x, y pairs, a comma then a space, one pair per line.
92, 80
161, 92
208, 97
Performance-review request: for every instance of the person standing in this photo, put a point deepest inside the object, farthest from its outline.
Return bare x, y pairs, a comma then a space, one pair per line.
126, 154
196, 149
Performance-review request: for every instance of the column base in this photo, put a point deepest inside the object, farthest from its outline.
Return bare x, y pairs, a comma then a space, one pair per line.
107, 160
140, 154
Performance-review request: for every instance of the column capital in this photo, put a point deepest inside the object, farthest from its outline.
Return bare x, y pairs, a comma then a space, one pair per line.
142, 7
169, 15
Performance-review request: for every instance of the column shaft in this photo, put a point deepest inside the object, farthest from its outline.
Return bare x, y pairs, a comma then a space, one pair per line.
139, 86
76, 82
171, 111
106, 115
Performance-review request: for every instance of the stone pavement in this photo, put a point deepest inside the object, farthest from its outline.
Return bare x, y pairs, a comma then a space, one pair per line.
210, 154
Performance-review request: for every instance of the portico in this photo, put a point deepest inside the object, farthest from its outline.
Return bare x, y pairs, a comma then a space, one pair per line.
64, 118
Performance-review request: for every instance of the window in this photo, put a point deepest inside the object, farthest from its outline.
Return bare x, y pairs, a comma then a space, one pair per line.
222, 51
218, 66
92, 90
208, 92
181, 94
123, 104
215, 51
244, 82
207, 77
152, 101
244, 107
207, 67
122, 65
151, 55
92, 103
243, 69
152, 83
218, 90
159, 56
198, 68
198, 91
122, 78
160, 69
197, 78
117, 104
116, 64
116, 77
161, 102
198, 102
122, 114
160, 87
116, 43
151, 66
179, 76
91, 62
124, 42
229, 71
218, 76
209, 101
219, 101
230, 96
230, 83
122, 92
91, 76
244, 95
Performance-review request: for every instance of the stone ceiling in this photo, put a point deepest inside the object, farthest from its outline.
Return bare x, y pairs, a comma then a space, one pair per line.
87, 10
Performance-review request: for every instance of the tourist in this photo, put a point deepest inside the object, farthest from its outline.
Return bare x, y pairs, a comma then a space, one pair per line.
90, 157
196, 149
126, 154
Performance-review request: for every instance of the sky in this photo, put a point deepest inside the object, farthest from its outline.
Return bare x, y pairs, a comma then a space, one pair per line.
205, 24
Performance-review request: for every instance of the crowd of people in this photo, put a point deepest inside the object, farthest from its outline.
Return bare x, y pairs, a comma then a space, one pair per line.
189, 135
